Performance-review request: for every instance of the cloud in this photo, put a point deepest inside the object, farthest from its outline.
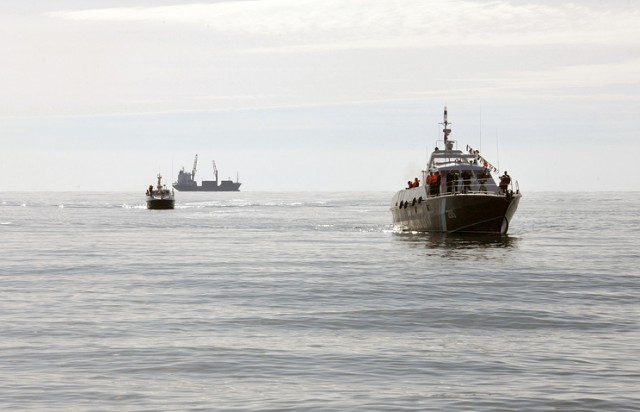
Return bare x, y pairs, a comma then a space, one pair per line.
577, 76
302, 25
266, 54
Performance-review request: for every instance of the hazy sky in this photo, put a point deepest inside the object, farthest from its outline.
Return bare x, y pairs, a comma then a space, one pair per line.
316, 94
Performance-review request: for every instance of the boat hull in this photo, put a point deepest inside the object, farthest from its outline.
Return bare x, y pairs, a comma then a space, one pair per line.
461, 213
160, 203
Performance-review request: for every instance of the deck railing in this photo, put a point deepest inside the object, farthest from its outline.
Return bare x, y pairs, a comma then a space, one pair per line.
458, 186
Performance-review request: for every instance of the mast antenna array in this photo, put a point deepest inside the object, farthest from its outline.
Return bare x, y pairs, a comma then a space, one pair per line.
446, 131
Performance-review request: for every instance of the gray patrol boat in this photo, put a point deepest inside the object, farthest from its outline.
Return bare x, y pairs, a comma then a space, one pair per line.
457, 194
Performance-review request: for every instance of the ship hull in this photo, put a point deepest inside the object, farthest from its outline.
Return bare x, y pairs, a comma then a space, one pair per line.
453, 213
160, 203
232, 187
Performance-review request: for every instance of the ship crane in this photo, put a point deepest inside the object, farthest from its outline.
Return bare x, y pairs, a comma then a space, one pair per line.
193, 171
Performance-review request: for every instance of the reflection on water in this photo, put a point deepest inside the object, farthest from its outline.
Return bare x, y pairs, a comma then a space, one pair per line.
459, 242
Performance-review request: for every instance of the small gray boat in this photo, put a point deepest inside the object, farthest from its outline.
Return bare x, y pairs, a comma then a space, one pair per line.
160, 197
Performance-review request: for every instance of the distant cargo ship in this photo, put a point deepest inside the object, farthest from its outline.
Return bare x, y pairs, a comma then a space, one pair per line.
187, 181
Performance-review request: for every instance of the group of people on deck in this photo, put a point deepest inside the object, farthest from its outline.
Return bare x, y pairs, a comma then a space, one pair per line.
454, 176
415, 183
161, 191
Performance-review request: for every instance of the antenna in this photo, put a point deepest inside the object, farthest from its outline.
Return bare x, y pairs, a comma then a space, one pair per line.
481, 128
426, 154
446, 131
497, 150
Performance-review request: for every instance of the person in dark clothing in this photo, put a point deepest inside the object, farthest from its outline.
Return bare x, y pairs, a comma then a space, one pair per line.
456, 181
482, 188
482, 179
505, 179
466, 181
451, 177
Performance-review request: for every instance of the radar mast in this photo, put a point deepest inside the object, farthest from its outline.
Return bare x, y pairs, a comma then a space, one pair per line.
447, 131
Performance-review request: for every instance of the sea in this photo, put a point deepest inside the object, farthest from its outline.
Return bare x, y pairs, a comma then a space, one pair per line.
310, 301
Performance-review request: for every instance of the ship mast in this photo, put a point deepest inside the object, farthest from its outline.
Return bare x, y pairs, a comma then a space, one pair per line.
446, 131
193, 171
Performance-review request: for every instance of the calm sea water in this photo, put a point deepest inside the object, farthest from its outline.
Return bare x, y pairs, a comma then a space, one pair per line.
310, 301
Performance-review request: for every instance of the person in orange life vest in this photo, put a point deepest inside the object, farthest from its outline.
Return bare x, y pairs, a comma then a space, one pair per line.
416, 182
433, 183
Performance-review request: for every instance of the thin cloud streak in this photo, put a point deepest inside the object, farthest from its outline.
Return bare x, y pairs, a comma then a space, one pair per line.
359, 24
411, 97
577, 76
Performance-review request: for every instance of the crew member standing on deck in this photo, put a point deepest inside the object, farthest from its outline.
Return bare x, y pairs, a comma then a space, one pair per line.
466, 181
505, 179
450, 181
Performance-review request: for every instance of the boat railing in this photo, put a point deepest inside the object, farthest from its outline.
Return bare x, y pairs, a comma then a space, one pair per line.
475, 187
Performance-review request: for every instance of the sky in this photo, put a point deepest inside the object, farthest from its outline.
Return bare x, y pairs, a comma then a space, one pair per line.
316, 95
